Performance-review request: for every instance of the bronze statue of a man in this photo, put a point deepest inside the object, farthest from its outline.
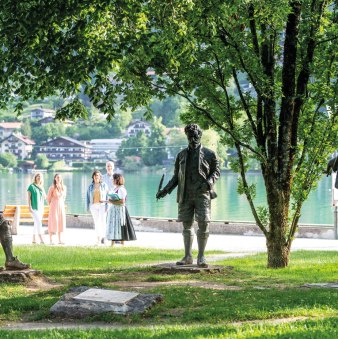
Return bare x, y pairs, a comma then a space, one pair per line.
332, 166
12, 263
196, 170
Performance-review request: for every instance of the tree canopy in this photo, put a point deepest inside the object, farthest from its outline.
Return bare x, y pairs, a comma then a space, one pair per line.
8, 160
125, 53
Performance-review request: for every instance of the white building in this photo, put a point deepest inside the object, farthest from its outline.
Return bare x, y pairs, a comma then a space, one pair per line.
7, 128
40, 113
103, 149
18, 145
138, 126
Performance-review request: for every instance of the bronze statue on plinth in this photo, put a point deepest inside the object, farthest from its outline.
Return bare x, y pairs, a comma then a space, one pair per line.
196, 170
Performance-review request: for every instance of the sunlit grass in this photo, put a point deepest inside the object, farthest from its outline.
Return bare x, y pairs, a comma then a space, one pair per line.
318, 328
262, 295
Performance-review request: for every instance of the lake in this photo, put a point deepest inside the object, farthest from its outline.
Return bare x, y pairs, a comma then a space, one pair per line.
142, 188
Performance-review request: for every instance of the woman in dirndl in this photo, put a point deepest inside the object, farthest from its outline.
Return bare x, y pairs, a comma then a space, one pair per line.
119, 225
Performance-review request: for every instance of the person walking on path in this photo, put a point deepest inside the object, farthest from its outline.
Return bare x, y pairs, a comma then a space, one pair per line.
97, 204
119, 224
196, 170
108, 177
57, 212
36, 197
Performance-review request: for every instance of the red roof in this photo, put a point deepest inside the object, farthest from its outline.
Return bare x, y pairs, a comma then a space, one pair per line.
25, 139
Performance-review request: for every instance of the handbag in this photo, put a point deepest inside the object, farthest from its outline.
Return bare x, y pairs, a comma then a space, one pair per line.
128, 232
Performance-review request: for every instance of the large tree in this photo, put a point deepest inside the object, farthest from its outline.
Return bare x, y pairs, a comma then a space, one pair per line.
129, 52
156, 153
169, 110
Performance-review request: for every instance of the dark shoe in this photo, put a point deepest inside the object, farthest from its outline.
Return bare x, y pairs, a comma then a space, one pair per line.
102, 241
187, 260
201, 262
16, 264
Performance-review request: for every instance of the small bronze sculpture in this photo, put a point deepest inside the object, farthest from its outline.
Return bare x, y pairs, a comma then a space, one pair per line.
196, 170
12, 263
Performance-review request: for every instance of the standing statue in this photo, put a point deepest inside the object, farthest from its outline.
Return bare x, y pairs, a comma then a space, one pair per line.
12, 263
332, 165
196, 170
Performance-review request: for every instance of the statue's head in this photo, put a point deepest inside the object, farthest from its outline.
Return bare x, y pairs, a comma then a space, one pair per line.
194, 134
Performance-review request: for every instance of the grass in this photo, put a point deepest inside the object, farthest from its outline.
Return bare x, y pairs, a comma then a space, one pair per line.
248, 301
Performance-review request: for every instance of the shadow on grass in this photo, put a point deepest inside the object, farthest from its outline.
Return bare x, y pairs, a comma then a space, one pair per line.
101, 267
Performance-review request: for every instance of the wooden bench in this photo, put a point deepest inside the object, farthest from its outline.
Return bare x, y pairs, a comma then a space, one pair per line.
20, 214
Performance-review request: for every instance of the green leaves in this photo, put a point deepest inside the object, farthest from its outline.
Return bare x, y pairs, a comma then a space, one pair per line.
249, 190
74, 109
261, 73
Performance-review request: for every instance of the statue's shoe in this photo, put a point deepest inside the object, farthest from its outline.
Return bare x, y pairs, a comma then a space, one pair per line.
16, 264
201, 262
187, 260
1, 268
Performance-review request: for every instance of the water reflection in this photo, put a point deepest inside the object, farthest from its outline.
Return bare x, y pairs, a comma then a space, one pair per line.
142, 188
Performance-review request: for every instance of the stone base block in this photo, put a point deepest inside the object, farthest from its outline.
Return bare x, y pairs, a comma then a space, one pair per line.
18, 276
68, 306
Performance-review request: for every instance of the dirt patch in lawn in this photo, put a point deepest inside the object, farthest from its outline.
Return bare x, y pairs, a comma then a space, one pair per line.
190, 283
41, 283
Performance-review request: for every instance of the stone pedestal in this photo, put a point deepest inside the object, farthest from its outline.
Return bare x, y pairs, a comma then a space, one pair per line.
82, 301
18, 276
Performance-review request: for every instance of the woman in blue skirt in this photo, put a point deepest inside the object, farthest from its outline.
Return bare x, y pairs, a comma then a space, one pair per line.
119, 225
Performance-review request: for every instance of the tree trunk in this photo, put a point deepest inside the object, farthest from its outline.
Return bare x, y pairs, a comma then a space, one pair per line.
278, 199
278, 253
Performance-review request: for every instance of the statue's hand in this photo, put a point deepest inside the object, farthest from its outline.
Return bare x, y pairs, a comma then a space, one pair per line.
161, 194
204, 187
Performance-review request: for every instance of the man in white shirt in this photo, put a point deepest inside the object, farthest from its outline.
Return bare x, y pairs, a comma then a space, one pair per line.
108, 177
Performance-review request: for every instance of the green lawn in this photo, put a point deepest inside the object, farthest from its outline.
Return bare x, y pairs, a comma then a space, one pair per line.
248, 301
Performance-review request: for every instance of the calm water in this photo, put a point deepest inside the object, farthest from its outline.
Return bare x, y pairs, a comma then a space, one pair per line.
142, 189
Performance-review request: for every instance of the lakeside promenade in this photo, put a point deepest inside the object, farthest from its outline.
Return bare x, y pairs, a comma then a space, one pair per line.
166, 240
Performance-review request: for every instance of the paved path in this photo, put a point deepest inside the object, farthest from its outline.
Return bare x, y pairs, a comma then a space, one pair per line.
162, 240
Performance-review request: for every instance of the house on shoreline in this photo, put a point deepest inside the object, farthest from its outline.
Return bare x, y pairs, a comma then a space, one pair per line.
17, 144
67, 149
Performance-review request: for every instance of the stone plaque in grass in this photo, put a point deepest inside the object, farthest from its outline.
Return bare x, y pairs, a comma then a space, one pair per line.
82, 301
106, 296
